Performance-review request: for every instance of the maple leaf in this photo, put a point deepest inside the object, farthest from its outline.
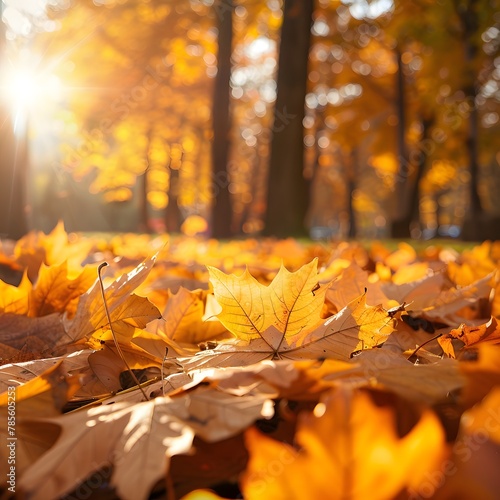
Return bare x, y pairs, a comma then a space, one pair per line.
127, 310
356, 327
488, 332
291, 303
349, 448
36, 248
33, 337
55, 292
108, 365
472, 471
182, 319
45, 396
15, 299
351, 284
15, 374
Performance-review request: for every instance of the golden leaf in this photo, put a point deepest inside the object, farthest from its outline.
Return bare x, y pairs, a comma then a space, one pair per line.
488, 332
15, 299
54, 291
291, 303
348, 448
354, 328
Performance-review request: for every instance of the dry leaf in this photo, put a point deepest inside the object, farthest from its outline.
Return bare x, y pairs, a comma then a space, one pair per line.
352, 283
127, 310
471, 335
182, 319
134, 437
42, 396
15, 299
481, 374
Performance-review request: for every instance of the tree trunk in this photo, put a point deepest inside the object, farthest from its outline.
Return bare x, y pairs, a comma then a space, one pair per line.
172, 212
143, 193
468, 16
288, 191
13, 167
400, 225
412, 208
351, 186
221, 208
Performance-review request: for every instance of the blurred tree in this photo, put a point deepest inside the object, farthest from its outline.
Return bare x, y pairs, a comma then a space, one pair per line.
141, 90
13, 159
288, 191
221, 212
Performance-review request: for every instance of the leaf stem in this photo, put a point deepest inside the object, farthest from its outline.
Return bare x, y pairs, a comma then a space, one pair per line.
118, 348
422, 345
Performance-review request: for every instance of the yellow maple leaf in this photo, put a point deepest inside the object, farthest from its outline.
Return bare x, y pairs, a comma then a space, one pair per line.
291, 303
15, 299
348, 448
54, 291
183, 318
356, 327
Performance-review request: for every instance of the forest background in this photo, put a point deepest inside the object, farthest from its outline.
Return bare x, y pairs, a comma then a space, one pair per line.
251, 117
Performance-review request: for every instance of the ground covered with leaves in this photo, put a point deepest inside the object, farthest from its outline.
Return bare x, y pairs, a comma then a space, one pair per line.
267, 369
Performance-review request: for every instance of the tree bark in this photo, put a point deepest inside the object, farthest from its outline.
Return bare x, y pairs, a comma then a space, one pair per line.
351, 186
172, 212
13, 166
468, 16
288, 191
400, 226
143, 193
412, 209
221, 118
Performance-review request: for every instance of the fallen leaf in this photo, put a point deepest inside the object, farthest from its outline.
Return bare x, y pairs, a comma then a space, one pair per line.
481, 374
351, 284
54, 291
43, 396
131, 437
35, 337
472, 471
182, 319
15, 299
348, 442
471, 335
127, 310
291, 303
16, 374
356, 327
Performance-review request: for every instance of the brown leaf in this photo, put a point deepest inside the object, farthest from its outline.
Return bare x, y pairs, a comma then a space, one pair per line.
34, 336
133, 437
127, 310
470, 335
182, 319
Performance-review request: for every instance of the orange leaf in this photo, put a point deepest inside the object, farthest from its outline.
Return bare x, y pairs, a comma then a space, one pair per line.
15, 299
348, 448
54, 291
470, 335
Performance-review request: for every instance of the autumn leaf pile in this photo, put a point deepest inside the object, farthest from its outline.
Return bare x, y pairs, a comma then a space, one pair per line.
267, 369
